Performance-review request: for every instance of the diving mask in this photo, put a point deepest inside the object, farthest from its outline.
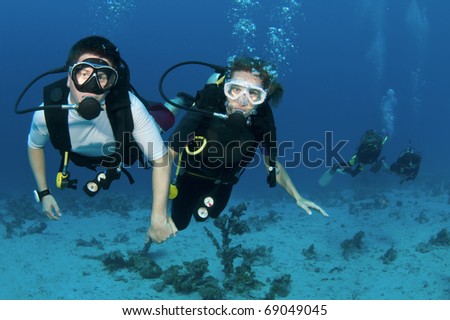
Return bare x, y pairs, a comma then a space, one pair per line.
93, 76
235, 89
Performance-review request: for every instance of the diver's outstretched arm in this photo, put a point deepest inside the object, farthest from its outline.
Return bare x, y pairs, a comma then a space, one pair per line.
284, 180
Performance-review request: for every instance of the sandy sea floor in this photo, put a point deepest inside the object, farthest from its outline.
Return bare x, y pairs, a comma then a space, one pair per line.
378, 243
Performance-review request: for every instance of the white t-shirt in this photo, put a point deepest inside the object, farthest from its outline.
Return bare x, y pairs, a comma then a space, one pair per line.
94, 137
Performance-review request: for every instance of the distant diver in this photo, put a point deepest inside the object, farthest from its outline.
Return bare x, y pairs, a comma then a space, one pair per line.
367, 153
407, 165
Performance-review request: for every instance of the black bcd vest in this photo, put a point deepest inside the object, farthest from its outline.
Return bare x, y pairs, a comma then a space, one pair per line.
212, 99
120, 117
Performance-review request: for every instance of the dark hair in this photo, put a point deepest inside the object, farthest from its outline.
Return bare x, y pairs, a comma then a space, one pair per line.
262, 69
96, 45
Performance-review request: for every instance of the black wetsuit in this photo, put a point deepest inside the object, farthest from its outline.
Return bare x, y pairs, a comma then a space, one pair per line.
206, 179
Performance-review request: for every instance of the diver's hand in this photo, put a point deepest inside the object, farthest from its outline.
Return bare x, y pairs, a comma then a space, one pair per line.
161, 229
50, 207
174, 227
308, 205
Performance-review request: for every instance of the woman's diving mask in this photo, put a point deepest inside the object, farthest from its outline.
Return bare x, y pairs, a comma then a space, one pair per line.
93, 76
235, 90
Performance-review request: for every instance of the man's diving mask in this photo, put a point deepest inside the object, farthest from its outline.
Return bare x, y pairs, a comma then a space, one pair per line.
235, 89
93, 76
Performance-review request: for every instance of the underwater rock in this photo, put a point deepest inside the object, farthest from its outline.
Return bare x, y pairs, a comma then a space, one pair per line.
389, 256
381, 202
441, 239
351, 246
422, 218
309, 253
423, 247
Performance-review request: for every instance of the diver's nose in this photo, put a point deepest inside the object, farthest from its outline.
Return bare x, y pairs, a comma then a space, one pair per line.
243, 100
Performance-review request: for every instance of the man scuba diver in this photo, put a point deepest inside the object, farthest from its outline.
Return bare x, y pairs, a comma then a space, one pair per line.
407, 165
95, 119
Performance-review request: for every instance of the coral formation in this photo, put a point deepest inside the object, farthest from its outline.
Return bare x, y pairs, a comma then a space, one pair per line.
441, 239
229, 225
389, 256
422, 218
309, 253
350, 247
20, 212
279, 287
136, 262
191, 277
238, 265
114, 261
143, 265
241, 278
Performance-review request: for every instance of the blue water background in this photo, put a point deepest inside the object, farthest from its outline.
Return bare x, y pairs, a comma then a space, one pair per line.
345, 56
